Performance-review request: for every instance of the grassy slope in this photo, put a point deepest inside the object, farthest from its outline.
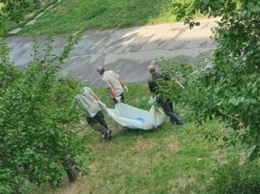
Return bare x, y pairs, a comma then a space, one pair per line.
68, 16
168, 160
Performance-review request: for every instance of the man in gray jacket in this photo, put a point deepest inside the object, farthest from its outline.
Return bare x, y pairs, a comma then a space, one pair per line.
165, 103
93, 107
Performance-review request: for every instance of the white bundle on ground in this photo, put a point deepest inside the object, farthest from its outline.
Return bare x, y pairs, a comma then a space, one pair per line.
135, 118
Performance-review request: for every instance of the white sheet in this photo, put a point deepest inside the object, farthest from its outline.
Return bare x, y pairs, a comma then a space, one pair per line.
132, 117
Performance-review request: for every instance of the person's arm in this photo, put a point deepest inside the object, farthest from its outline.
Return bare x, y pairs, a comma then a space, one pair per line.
119, 79
121, 82
95, 97
177, 82
152, 99
165, 76
110, 88
98, 100
112, 91
168, 78
152, 86
92, 93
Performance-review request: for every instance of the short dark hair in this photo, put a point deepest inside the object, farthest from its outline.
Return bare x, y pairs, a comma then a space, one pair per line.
100, 69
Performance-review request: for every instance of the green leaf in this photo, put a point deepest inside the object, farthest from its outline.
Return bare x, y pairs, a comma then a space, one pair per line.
206, 2
255, 9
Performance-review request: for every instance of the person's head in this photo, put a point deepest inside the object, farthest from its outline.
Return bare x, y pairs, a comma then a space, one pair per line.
152, 68
100, 69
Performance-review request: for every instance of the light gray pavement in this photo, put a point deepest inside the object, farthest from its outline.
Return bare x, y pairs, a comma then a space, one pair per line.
127, 51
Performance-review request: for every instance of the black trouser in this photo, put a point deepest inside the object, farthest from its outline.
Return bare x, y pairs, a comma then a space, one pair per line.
168, 109
98, 122
122, 98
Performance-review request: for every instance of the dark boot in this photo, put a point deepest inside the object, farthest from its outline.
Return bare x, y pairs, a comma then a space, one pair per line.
105, 132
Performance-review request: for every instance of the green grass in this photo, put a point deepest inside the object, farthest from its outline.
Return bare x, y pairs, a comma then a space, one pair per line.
68, 17
169, 159
32, 12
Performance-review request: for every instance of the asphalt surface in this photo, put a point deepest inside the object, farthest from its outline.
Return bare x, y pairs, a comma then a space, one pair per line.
126, 51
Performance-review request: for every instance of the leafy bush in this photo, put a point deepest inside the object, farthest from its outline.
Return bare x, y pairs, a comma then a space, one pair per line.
12, 12
17, 9
176, 73
235, 178
230, 89
37, 140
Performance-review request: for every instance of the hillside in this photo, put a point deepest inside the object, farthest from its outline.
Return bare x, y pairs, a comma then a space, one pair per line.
170, 159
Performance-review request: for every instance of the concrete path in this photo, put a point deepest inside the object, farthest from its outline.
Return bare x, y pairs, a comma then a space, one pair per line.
127, 51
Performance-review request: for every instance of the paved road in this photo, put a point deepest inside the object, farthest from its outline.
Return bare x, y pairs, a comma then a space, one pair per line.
127, 51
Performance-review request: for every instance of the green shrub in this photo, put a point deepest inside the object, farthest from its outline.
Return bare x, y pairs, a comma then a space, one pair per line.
230, 90
37, 138
235, 178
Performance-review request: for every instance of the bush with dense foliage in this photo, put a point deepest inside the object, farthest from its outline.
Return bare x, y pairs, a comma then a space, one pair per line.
235, 178
230, 90
13, 11
37, 140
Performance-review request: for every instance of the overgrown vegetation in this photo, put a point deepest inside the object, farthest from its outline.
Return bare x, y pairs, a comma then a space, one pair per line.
36, 138
230, 90
235, 178
13, 11
17, 13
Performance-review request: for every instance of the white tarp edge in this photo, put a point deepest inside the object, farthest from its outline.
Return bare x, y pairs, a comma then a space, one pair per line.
132, 117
